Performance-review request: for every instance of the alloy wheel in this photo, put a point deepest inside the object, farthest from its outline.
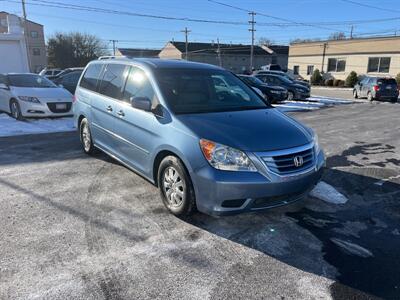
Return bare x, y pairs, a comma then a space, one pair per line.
173, 187
86, 137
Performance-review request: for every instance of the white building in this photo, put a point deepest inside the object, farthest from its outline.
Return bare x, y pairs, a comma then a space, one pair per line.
13, 50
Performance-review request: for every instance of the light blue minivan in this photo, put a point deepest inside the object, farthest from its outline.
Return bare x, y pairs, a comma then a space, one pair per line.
199, 133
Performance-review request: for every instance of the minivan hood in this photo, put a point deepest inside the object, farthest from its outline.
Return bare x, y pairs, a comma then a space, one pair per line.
42, 93
251, 130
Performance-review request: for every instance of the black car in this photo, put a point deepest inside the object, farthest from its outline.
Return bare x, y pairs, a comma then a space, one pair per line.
64, 72
271, 93
69, 81
281, 73
295, 90
377, 88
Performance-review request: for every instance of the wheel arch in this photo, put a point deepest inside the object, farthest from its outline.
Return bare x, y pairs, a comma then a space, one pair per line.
158, 159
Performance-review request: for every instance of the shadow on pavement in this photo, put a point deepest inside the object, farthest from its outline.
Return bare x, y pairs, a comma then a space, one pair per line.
356, 244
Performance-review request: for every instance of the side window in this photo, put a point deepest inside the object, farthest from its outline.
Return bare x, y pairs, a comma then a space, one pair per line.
2, 79
91, 77
138, 85
70, 78
113, 81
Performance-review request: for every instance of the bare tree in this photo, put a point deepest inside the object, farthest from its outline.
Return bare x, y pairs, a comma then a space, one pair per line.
265, 41
74, 49
337, 36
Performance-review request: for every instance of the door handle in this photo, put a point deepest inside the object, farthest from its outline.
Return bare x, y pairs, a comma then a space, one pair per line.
121, 113
109, 108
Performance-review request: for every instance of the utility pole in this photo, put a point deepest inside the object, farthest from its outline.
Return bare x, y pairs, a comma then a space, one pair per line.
114, 42
252, 30
219, 53
323, 57
186, 32
25, 35
351, 31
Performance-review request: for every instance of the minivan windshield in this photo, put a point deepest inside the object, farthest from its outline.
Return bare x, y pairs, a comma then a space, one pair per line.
30, 80
190, 91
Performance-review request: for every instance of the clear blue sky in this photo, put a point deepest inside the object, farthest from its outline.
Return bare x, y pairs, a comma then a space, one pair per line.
153, 33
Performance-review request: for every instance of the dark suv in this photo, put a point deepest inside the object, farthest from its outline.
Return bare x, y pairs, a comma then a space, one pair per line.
272, 94
295, 91
377, 88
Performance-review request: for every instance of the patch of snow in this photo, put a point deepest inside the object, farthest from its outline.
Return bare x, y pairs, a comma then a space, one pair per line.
351, 248
11, 127
328, 193
293, 106
329, 100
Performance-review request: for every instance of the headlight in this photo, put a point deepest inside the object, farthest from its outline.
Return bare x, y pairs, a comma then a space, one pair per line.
275, 92
225, 158
300, 90
29, 99
316, 143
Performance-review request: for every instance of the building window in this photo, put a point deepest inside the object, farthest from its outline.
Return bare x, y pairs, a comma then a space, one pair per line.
36, 51
378, 64
310, 70
336, 65
3, 22
34, 34
296, 70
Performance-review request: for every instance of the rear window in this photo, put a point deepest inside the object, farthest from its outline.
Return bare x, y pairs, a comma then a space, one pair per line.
388, 81
91, 77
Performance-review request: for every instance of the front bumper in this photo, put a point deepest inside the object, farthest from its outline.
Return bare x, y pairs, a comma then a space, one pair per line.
45, 109
225, 193
301, 95
278, 97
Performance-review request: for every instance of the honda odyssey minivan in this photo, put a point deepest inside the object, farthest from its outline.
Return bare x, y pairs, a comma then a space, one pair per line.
220, 151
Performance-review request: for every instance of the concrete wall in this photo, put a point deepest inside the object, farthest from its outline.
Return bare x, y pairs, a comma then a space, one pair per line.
356, 52
170, 52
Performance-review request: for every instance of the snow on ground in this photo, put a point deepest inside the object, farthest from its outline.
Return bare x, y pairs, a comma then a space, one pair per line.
10, 126
328, 193
314, 102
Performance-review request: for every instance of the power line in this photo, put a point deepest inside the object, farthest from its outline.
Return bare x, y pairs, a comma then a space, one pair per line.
270, 16
371, 6
54, 4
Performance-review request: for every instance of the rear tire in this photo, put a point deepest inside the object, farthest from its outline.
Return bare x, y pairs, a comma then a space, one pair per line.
355, 94
394, 100
176, 188
86, 137
16, 110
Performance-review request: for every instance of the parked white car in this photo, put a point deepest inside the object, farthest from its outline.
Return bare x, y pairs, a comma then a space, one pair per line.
49, 72
31, 95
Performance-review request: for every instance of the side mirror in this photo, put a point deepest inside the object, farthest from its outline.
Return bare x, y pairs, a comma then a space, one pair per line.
3, 86
142, 103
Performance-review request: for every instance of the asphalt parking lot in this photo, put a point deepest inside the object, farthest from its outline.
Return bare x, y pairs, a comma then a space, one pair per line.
79, 227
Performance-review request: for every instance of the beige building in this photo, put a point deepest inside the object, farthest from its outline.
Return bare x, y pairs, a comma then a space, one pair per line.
378, 56
35, 40
234, 57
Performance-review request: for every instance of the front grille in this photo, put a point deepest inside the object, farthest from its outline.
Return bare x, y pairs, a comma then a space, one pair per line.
53, 107
285, 164
278, 200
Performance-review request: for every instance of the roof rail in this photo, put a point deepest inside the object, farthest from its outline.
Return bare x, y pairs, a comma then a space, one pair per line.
107, 57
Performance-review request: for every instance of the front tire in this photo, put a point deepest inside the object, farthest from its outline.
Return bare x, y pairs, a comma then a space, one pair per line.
176, 189
16, 110
290, 96
86, 137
